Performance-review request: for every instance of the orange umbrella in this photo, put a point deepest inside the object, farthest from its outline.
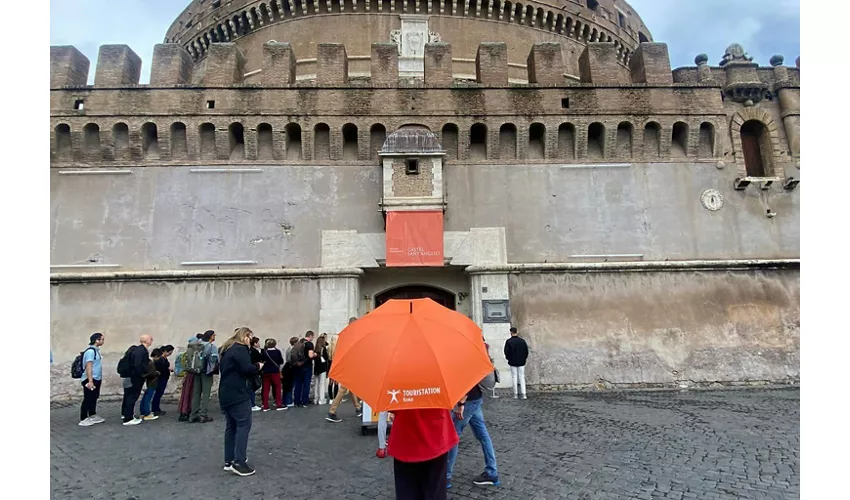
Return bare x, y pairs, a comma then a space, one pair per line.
410, 354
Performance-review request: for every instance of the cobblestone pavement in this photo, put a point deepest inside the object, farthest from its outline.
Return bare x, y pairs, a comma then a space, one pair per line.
637, 445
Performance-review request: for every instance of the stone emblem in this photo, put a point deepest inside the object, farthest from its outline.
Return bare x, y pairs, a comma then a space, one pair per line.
712, 200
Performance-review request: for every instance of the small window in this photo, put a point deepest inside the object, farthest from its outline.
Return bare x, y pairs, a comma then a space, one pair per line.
411, 166
565, 103
592, 4
79, 104
210, 104
622, 19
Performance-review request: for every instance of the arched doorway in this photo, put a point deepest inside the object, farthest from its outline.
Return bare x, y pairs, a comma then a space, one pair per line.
438, 295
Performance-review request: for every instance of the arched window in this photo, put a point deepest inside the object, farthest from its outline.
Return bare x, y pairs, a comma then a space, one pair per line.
265, 142
706, 140
567, 141
293, 142
596, 141
236, 141
642, 38
63, 141
150, 141
679, 146
652, 140
322, 142
377, 136
755, 142
349, 141
624, 140
507, 141
478, 142
120, 140
179, 149
91, 139
536, 141
450, 141
207, 133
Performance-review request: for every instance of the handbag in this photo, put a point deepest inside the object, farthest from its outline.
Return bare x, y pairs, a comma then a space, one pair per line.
255, 382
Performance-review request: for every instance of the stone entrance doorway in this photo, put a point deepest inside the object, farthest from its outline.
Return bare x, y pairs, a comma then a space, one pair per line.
440, 296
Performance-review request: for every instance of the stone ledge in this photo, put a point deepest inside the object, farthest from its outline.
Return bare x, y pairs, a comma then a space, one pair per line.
640, 266
202, 274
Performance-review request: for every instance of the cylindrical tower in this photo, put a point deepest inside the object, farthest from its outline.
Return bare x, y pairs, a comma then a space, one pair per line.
411, 23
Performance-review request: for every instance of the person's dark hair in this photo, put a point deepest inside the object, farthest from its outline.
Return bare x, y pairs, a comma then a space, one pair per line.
156, 353
207, 335
309, 334
270, 343
255, 341
199, 336
513, 329
167, 348
321, 343
293, 340
94, 338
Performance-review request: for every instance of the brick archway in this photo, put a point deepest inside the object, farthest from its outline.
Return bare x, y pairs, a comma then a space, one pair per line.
761, 115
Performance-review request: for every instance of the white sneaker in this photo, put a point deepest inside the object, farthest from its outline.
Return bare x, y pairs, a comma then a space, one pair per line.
255, 408
524, 396
290, 405
150, 417
135, 421
86, 422
281, 408
97, 419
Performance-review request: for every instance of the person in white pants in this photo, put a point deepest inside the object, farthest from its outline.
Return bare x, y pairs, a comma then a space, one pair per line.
383, 417
516, 352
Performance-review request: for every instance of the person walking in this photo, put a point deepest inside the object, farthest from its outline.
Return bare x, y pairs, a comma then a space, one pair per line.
92, 378
202, 384
322, 364
163, 366
257, 359
301, 357
234, 395
137, 357
151, 382
384, 418
185, 405
419, 444
516, 352
341, 393
288, 375
272, 365
468, 411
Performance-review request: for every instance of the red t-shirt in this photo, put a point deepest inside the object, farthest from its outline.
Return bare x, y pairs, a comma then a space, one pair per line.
421, 435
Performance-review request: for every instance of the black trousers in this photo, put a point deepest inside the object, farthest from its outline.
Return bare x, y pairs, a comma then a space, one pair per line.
89, 406
421, 480
131, 395
237, 427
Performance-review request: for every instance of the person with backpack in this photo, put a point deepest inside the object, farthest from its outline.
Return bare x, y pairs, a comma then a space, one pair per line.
90, 370
256, 359
183, 361
321, 367
288, 375
234, 395
516, 352
151, 382
206, 368
133, 367
301, 357
272, 365
163, 366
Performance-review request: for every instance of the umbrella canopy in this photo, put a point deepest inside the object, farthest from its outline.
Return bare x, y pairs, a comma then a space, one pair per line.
410, 354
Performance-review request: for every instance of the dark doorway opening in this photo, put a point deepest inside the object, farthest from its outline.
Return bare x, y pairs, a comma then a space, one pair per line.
442, 297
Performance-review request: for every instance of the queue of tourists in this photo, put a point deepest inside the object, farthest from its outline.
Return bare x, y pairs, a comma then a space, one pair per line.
423, 442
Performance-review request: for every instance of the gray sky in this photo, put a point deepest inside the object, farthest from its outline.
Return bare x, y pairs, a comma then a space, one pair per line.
689, 27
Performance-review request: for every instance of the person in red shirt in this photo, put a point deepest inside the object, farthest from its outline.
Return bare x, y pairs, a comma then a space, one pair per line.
419, 444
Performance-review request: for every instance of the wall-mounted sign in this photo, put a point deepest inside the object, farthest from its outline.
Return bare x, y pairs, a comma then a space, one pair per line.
415, 239
496, 311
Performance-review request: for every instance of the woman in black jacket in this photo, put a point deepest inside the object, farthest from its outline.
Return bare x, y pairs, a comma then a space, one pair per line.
234, 395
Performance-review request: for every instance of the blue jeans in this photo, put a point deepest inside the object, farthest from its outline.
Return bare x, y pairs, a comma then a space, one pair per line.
302, 384
157, 397
473, 416
236, 429
147, 399
253, 399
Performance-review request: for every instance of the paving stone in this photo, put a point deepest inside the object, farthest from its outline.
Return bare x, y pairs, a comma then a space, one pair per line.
674, 445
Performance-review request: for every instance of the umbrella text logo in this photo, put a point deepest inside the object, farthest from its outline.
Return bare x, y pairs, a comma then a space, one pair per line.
394, 395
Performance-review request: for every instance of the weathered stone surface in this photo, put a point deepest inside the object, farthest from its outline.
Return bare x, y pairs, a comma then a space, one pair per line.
697, 444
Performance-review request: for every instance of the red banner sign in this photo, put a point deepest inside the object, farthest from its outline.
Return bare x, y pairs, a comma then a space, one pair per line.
415, 239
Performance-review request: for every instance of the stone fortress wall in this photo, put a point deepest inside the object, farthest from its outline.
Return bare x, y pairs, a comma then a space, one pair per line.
638, 241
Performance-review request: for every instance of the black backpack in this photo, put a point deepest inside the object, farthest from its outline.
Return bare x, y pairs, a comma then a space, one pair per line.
125, 366
77, 368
